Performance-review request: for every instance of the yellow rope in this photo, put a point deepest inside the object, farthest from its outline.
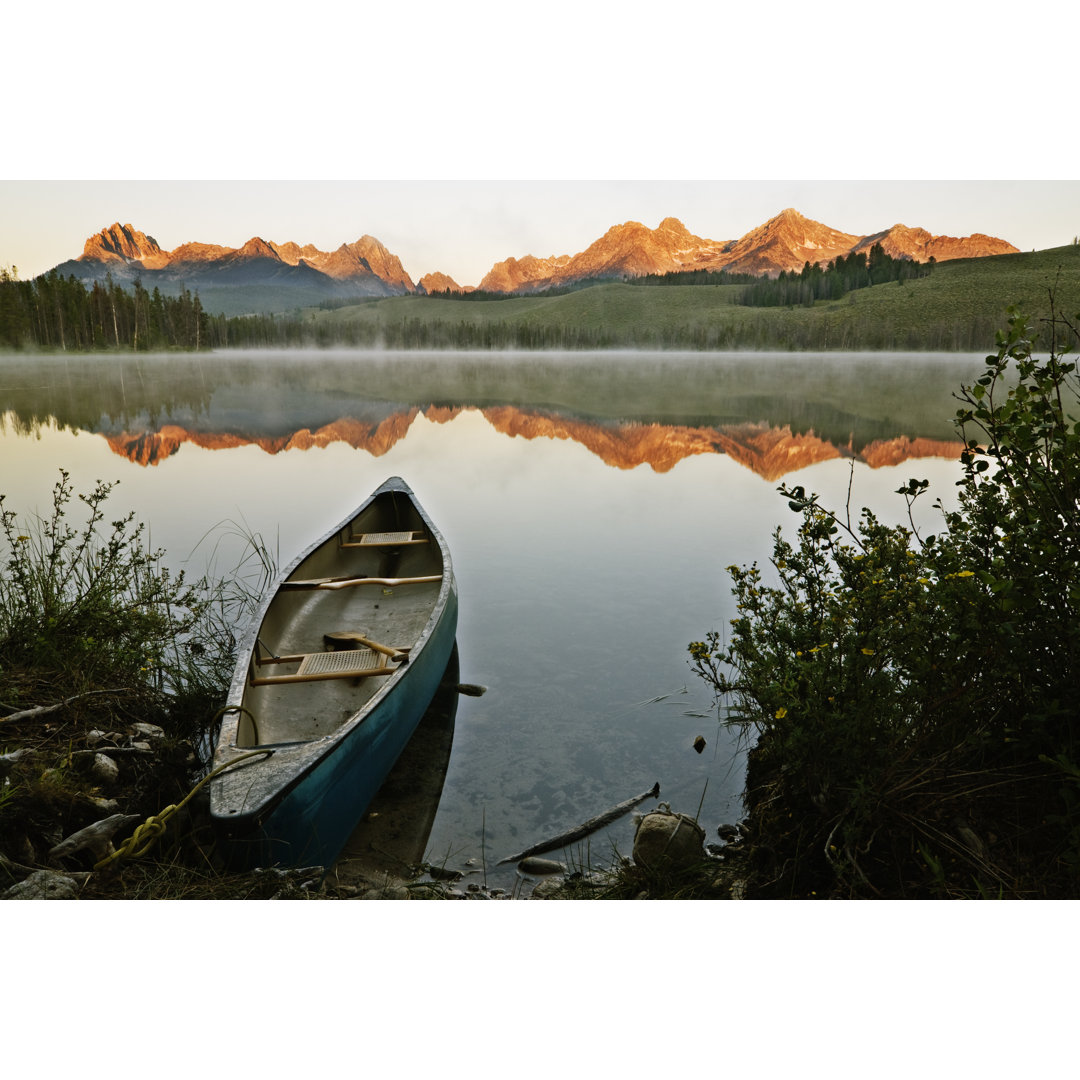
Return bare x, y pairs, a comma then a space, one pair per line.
146, 834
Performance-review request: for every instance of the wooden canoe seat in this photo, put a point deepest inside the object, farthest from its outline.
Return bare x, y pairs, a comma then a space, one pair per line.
370, 658
349, 664
384, 539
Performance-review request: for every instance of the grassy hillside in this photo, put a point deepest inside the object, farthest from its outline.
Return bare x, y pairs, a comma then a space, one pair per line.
958, 307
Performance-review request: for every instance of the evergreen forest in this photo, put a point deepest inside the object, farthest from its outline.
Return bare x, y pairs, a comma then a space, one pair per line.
833, 281
60, 313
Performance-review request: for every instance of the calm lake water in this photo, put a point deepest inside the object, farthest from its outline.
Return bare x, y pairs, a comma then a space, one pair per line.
591, 503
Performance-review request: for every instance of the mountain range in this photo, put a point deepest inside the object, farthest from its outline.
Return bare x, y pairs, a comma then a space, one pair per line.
366, 268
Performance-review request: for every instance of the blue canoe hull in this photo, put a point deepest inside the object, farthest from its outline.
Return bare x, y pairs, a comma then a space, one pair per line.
315, 817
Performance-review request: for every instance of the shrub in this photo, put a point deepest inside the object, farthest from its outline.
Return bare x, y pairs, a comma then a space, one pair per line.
89, 608
914, 699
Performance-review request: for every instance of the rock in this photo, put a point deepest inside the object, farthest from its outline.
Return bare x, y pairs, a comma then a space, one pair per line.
10, 759
533, 865
46, 885
389, 892
441, 873
104, 770
699, 743
546, 889
97, 839
147, 731
471, 689
668, 841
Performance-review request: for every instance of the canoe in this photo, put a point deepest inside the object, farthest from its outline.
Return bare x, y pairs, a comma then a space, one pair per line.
340, 661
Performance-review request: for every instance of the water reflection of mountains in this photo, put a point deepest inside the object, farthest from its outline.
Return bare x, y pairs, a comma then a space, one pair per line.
774, 413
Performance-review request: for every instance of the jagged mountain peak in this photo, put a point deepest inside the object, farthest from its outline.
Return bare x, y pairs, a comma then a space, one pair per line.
438, 282
121, 243
365, 268
257, 248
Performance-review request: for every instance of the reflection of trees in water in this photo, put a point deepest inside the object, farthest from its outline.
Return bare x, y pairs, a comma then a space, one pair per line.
849, 402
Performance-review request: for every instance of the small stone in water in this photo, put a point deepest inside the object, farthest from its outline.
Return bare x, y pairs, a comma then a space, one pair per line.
534, 865
441, 873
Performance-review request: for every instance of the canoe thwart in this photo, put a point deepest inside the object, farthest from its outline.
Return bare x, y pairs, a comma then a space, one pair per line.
350, 639
384, 539
349, 582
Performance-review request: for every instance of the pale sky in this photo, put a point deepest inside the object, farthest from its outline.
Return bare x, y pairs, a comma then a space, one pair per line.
462, 227
462, 134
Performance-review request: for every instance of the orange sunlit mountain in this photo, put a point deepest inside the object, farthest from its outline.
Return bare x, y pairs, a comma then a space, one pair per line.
785, 242
771, 452
367, 268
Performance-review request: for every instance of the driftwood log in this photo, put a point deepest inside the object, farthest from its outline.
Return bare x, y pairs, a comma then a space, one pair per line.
590, 826
96, 838
44, 710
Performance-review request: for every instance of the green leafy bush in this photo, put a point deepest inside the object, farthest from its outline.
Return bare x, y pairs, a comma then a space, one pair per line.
914, 699
88, 608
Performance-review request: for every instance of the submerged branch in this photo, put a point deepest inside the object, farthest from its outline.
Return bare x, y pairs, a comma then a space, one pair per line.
590, 826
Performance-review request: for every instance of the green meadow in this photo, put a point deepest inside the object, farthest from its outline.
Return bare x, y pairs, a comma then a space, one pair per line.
957, 307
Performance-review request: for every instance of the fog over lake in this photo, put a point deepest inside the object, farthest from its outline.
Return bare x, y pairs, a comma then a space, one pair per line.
591, 503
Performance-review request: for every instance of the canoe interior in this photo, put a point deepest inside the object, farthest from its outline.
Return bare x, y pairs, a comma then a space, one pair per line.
297, 619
